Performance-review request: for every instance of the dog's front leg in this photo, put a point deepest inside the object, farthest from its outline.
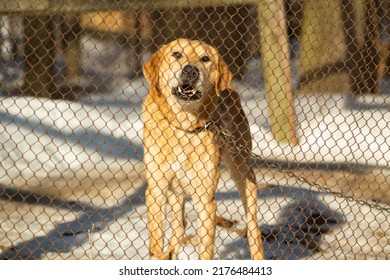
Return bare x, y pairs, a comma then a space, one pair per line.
176, 201
206, 209
155, 202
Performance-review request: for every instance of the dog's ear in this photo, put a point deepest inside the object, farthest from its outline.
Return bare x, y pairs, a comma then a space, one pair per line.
150, 69
225, 77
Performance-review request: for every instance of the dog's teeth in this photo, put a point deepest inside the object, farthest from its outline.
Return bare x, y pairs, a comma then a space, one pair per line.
180, 89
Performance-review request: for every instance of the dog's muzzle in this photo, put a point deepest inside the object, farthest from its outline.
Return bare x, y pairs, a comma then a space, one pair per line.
186, 90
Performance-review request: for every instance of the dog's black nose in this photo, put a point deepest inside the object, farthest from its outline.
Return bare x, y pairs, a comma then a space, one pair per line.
190, 74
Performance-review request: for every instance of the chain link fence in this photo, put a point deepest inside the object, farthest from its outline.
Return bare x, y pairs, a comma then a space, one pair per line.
72, 182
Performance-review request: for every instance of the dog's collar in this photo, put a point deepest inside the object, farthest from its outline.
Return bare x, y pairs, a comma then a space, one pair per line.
198, 129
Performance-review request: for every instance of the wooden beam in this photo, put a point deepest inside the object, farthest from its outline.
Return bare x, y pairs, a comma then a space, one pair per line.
353, 55
322, 45
39, 56
277, 70
322, 71
369, 79
72, 50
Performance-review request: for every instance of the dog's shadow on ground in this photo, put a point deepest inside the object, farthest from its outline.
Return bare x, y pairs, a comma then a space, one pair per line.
295, 235
299, 226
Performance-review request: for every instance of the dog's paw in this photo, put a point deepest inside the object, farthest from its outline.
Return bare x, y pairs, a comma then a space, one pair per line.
168, 255
225, 223
189, 239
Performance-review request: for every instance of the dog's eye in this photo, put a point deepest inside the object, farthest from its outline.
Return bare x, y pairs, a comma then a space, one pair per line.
176, 55
205, 58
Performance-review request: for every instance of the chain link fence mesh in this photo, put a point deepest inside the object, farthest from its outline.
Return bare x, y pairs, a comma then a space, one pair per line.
72, 182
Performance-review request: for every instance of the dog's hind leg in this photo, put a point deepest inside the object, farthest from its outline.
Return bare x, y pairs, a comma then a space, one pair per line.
253, 232
244, 178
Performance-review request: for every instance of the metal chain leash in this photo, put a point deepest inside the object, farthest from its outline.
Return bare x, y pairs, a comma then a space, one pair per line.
312, 184
229, 139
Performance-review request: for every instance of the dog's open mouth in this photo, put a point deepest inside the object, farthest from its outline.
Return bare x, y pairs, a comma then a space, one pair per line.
186, 92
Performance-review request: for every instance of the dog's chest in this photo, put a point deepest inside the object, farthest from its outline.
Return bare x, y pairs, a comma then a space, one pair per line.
193, 149
193, 156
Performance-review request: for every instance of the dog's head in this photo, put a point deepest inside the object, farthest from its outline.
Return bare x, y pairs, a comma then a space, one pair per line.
190, 71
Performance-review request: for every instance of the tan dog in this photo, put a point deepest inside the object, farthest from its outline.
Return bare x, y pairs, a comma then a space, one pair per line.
190, 107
